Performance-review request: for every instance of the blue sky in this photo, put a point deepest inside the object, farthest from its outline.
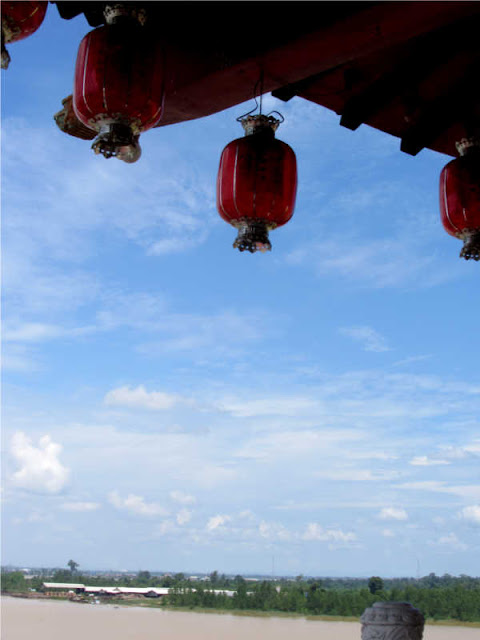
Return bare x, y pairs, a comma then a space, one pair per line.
172, 404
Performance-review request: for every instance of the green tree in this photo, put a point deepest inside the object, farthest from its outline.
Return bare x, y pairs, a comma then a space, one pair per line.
375, 584
14, 581
73, 565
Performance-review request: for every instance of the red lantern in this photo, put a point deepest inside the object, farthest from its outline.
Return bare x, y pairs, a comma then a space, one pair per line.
67, 121
20, 20
257, 183
119, 84
460, 197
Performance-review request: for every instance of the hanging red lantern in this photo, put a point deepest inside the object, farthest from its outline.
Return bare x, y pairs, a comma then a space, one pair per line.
256, 183
20, 20
460, 197
67, 121
119, 83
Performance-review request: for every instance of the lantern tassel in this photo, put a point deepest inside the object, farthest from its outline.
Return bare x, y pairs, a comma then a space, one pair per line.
252, 236
471, 246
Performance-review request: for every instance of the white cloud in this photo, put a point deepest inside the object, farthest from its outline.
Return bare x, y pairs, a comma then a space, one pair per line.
181, 497
387, 533
471, 513
425, 461
136, 505
315, 531
80, 506
40, 468
217, 521
141, 398
183, 516
370, 339
393, 513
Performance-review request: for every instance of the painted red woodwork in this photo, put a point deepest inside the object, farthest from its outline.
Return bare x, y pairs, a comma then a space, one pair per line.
119, 79
257, 183
460, 201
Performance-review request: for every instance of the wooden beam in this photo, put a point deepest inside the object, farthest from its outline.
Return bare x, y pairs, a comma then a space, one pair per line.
441, 113
433, 55
368, 31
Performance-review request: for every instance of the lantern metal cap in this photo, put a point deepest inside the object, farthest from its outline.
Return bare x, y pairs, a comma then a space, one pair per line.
259, 123
466, 144
118, 11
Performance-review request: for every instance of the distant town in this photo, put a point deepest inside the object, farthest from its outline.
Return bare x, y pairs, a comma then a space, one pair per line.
439, 598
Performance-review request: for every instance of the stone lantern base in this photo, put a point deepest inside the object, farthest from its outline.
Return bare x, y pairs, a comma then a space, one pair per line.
392, 621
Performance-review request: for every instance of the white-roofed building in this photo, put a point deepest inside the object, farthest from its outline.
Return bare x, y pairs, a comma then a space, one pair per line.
57, 588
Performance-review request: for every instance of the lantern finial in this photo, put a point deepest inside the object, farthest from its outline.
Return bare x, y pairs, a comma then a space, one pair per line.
5, 56
117, 140
252, 236
471, 245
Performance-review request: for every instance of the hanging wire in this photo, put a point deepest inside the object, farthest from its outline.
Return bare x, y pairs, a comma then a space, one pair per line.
245, 115
258, 89
282, 119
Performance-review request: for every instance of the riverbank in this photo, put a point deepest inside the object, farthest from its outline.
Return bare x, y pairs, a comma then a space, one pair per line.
55, 619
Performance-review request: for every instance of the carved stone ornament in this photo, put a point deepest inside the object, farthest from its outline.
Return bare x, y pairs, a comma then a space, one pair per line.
392, 621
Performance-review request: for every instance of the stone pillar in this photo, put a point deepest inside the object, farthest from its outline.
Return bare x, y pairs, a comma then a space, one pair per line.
392, 621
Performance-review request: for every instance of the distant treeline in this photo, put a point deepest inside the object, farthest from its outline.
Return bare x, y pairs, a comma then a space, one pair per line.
438, 597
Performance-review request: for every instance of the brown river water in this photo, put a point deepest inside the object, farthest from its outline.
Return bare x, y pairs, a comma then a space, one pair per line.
24, 619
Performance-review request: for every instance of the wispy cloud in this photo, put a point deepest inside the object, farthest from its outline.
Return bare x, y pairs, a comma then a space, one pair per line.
425, 461
140, 398
369, 338
38, 332
466, 491
136, 505
274, 531
80, 506
383, 264
357, 475
316, 532
183, 516
393, 513
451, 541
181, 497
274, 405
